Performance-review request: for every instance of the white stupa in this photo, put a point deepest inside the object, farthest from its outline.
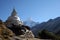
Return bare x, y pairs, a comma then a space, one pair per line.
14, 19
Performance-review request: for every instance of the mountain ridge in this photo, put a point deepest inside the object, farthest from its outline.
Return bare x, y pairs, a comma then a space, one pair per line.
52, 25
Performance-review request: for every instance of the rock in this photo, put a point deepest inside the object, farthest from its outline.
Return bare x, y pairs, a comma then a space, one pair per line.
29, 34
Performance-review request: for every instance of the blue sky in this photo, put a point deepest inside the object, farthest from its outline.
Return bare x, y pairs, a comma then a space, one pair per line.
38, 10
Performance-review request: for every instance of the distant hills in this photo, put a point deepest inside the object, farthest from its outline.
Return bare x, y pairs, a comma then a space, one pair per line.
52, 25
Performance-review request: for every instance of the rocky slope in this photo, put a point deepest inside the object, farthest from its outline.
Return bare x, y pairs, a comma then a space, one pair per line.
7, 33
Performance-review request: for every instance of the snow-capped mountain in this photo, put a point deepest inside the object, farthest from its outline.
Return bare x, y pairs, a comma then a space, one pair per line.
30, 23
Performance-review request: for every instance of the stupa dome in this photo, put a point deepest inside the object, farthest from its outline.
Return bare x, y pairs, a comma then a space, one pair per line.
14, 18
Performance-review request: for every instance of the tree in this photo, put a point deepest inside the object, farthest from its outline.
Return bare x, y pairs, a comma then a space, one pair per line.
44, 34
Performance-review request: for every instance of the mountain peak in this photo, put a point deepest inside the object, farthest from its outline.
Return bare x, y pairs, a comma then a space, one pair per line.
29, 22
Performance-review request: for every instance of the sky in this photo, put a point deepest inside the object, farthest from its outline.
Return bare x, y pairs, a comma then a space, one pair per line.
37, 10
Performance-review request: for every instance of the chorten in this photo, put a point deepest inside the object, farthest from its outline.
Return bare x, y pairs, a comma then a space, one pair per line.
14, 18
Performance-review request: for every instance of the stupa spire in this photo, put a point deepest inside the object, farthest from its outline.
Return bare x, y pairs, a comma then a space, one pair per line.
14, 13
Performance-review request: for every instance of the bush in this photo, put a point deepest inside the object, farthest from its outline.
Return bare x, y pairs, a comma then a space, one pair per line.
47, 35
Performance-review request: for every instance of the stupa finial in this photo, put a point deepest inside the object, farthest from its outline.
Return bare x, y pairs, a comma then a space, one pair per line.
14, 12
